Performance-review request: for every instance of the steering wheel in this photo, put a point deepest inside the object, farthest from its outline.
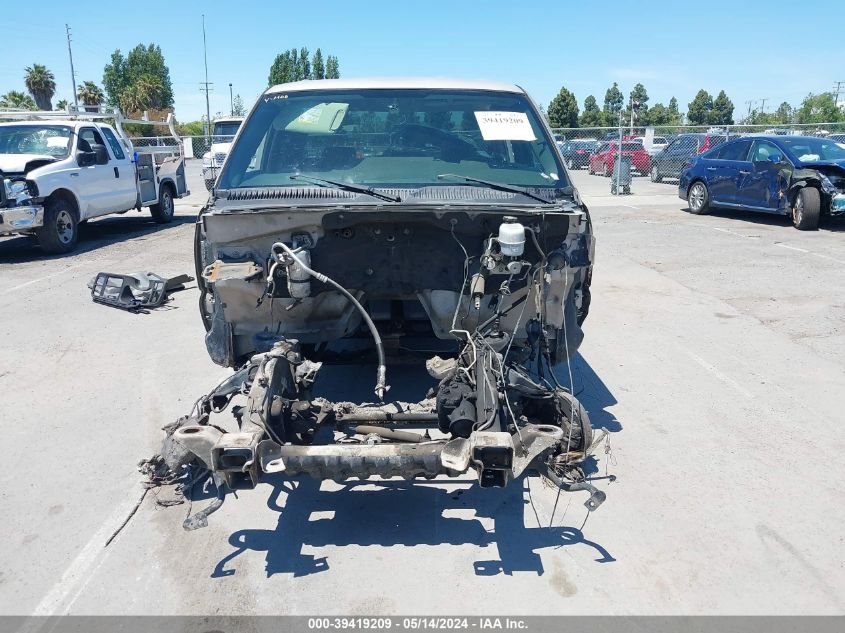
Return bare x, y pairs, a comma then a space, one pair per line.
425, 137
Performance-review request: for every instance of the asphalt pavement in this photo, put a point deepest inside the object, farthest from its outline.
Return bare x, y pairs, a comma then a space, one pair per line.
714, 355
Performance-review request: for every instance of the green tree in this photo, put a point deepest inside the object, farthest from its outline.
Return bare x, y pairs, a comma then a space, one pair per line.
563, 110
305, 63
17, 101
658, 114
238, 108
675, 117
41, 85
318, 67
90, 95
191, 128
61, 105
142, 64
699, 109
145, 93
640, 95
723, 110
332, 67
294, 65
819, 108
784, 113
591, 116
613, 101
281, 72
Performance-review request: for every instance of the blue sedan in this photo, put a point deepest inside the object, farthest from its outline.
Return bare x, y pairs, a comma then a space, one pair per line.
799, 176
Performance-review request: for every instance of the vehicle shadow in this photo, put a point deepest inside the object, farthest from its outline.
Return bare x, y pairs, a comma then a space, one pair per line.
390, 513
396, 512
92, 235
591, 391
833, 225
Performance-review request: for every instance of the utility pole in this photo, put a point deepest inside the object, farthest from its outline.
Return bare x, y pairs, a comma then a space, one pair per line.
206, 86
231, 101
837, 88
72, 74
763, 105
749, 104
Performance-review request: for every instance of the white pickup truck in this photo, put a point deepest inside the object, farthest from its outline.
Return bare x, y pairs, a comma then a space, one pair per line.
59, 170
222, 137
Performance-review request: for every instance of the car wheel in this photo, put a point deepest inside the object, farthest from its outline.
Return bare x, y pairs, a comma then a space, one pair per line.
698, 198
806, 210
654, 174
163, 211
60, 229
570, 164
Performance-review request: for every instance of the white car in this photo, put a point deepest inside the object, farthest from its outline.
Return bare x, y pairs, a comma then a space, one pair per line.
61, 169
222, 136
658, 144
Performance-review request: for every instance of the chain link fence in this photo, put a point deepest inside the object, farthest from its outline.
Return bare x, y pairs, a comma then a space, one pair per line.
662, 151
211, 150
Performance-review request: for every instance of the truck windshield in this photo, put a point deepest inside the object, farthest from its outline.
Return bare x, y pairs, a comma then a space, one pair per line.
41, 140
226, 130
386, 137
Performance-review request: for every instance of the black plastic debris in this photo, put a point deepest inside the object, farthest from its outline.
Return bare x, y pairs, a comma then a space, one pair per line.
135, 292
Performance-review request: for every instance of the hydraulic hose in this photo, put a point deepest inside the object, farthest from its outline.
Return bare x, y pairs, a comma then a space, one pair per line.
381, 372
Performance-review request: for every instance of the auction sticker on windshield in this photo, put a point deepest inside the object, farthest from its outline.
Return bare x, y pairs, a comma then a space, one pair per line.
505, 126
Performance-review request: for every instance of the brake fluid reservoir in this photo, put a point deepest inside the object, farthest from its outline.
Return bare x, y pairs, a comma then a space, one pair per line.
511, 237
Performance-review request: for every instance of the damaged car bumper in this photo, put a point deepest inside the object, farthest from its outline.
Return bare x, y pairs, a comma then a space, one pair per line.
21, 218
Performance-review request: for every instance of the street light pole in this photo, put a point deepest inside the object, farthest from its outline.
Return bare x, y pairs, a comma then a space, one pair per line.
231, 101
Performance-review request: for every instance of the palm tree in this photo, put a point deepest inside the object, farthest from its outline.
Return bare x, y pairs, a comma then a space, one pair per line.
17, 101
61, 105
90, 95
144, 94
41, 85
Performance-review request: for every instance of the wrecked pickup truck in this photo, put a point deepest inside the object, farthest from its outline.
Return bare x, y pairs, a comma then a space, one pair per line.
408, 219
60, 169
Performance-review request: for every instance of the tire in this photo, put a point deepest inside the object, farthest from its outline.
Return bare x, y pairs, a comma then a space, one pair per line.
590, 168
163, 211
570, 164
698, 198
654, 174
61, 227
613, 190
807, 209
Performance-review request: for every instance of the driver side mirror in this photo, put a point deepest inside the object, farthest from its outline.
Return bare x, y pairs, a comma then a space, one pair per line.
101, 155
86, 159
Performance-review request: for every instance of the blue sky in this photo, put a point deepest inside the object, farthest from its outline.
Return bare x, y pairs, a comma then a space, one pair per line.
753, 49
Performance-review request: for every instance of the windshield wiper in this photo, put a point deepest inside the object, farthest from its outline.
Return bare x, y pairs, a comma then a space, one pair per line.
345, 186
498, 186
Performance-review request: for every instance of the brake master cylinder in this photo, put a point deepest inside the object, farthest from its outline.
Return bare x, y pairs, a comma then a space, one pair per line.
511, 237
